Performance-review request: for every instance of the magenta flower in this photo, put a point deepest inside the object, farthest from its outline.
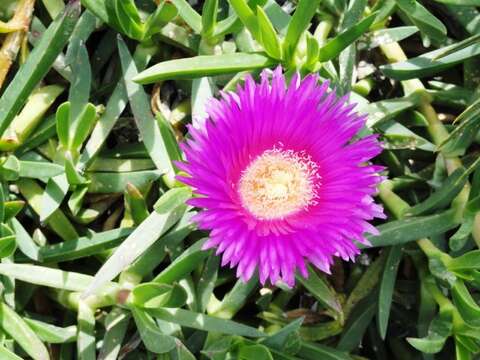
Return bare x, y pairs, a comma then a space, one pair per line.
279, 180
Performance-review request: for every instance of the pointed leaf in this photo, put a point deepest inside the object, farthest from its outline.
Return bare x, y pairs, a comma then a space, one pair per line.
428, 24
204, 65
269, 37
18, 329
209, 17
466, 305
169, 210
83, 126
153, 339
438, 332
425, 65
299, 23
387, 285
144, 119
204, 322
63, 124
247, 16
335, 46
37, 64
320, 290
189, 15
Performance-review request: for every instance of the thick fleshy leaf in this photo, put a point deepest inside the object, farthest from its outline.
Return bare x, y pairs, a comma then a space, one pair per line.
426, 65
320, 290
414, 228
15, 326
429, 25
169, 210
204, 65
152, 337
388, 36
38, 64
333, 48
299, 23
387, 285
204, 322
439, 330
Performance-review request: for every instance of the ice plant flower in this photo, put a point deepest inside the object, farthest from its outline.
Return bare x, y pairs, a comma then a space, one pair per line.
280, 180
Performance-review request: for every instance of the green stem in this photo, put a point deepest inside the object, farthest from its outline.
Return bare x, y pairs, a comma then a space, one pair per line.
398, 207
322, 31
363, 87
392, 201
435, 127
394, 53
443, 302
432, 251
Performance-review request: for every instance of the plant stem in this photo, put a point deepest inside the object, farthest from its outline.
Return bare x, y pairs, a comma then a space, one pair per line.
395, 203
430, 249
322, 31
442, 301
13, 41
394, 53
398, 207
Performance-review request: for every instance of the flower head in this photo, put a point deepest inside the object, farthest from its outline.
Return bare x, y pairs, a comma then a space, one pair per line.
279, 179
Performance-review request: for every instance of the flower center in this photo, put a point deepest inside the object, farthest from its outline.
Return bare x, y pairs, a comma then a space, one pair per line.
279, 183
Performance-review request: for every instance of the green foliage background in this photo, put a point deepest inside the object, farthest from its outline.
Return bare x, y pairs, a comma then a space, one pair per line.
99, 256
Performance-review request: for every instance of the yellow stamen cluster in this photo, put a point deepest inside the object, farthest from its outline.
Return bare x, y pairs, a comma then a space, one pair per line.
279, 183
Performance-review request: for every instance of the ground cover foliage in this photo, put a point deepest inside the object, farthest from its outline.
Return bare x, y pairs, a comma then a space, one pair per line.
100, 258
